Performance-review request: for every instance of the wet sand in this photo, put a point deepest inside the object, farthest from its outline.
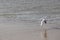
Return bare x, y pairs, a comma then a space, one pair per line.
24, 32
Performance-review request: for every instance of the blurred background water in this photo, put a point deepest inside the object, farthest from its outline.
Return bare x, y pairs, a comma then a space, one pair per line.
28, 11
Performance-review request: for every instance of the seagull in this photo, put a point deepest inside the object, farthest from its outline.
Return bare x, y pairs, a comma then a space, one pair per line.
46, 19
43, 21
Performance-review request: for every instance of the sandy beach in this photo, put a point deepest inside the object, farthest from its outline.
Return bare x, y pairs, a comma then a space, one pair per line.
22, 31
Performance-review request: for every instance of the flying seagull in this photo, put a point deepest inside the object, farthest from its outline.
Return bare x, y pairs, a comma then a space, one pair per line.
44, 20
